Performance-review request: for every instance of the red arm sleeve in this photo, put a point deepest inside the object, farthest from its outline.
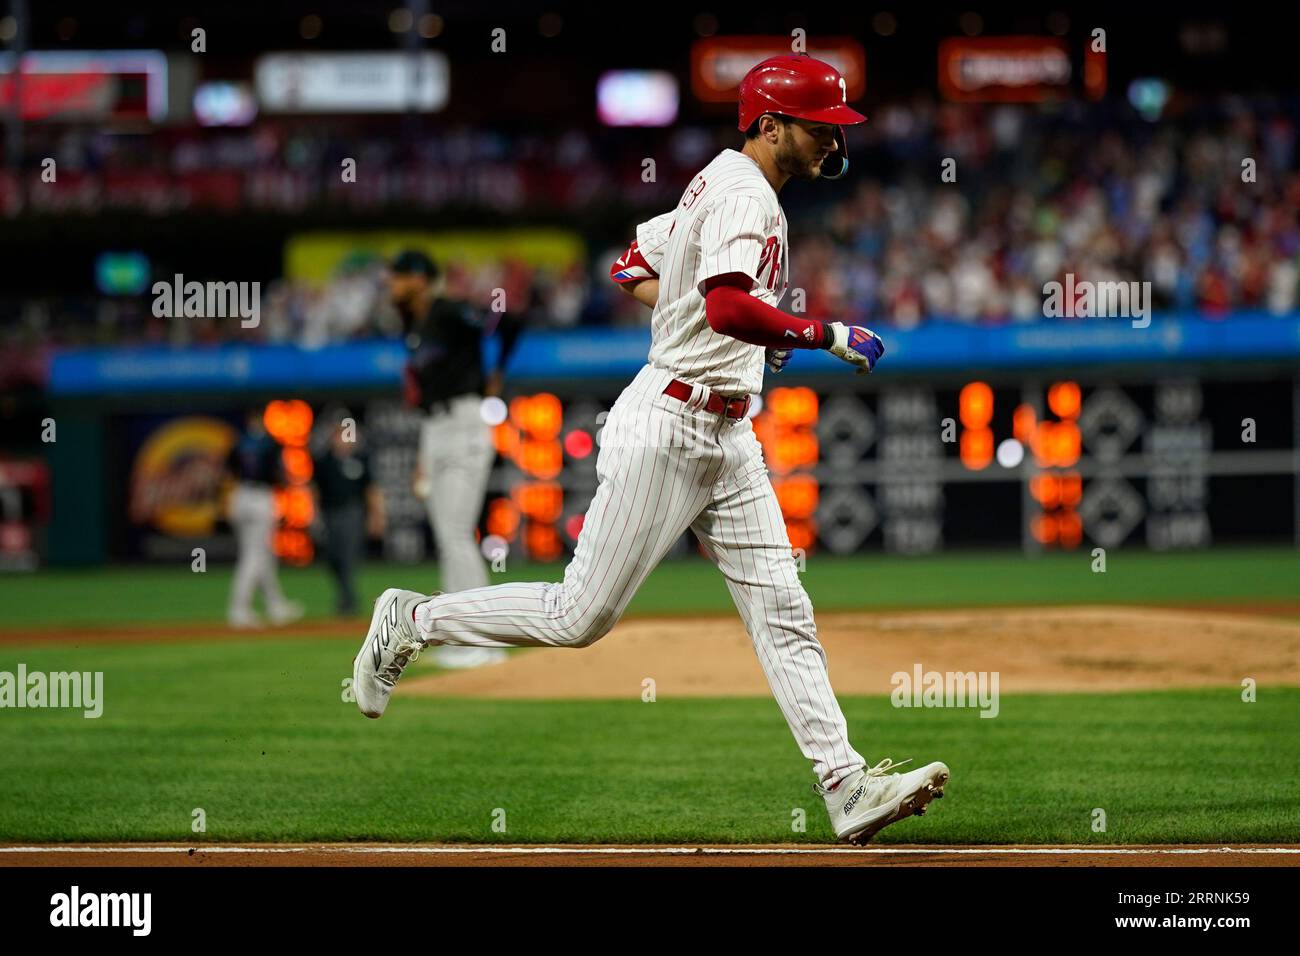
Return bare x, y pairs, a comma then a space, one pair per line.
734, 312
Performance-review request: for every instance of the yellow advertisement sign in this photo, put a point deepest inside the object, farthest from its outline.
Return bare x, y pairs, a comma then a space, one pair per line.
176, 475
315, 257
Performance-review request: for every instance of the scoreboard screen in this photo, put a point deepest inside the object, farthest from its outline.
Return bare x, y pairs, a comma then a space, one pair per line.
1041, 463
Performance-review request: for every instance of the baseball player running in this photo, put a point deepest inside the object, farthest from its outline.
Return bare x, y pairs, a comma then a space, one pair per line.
678, 451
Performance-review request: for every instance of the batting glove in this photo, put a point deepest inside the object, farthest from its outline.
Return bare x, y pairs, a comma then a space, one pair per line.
856, 345
777, 359
631, 266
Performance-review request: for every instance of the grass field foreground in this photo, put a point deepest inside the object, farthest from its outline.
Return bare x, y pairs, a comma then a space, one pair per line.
257, 735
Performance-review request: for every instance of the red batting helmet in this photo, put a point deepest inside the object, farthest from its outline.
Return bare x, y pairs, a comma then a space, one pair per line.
798, 85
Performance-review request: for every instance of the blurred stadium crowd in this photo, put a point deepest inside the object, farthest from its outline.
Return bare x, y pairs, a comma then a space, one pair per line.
1040, 191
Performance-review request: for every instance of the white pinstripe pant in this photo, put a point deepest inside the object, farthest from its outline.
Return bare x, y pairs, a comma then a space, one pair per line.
665, 466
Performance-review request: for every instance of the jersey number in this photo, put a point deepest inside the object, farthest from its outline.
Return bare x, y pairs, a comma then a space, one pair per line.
771, 257
693, 194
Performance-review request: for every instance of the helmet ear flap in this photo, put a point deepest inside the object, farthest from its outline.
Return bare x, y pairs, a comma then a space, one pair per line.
837, 163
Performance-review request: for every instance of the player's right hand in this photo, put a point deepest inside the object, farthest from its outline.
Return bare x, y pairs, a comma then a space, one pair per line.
857, 345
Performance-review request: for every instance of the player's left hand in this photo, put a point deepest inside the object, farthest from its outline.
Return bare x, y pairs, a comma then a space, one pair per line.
777, 359
857, 345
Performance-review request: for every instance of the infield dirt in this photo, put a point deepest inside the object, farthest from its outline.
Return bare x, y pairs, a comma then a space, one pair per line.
1031, 649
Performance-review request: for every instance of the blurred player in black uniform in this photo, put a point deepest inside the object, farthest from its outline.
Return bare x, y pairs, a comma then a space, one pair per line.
446, 380
349, 502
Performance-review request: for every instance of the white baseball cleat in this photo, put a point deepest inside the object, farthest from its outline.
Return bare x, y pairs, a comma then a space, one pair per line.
391, 643
871, 799
244, 621
286, 613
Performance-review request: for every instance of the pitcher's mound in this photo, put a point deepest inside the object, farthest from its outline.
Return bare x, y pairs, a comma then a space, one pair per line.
1032, 649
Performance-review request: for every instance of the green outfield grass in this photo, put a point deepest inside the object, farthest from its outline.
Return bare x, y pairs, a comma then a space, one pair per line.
256, 733
118, 596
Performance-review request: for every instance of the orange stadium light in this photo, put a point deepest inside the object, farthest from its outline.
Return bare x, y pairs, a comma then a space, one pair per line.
793, 450
793, 406
1071, 489
977, 448
1064, 444
775, 448
1048, 442
797, 496
975, 405
298, 465
1046, 490
541, 415
294, 505
506, 439
542, 541
519, 406
540, 501
1064, 399
503, 518
288, 422
541, 459
1023, 424
294, 546
548, 415
807, 450
803, 534
1039, 446
1044, 529
765, 428
1069, 529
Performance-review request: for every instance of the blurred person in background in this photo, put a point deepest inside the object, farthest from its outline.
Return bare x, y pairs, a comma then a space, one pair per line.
349, 502
446, 381
255, 467
345, 306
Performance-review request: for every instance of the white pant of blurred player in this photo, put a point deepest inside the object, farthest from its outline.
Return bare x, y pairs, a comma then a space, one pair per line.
252, 515
455, 458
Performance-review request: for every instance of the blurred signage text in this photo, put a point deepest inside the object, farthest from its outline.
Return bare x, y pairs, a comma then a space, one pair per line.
88, 84
352, 82
718, 64
1003, 69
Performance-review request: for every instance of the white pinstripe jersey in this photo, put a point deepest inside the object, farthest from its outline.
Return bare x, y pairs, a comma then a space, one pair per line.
728, 220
